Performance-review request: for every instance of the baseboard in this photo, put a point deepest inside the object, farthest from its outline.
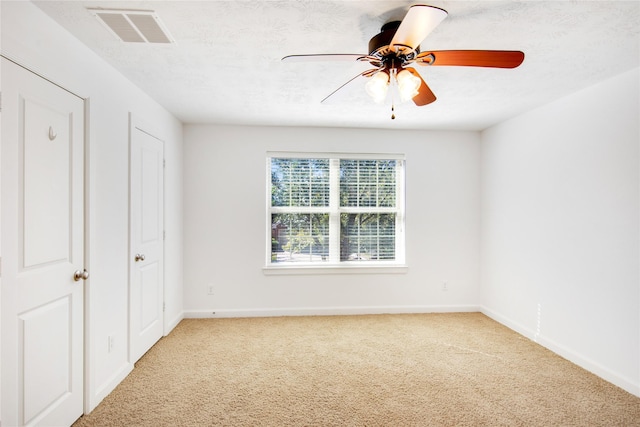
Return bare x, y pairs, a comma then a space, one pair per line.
560, 350
108, 386
327, 311
173, 323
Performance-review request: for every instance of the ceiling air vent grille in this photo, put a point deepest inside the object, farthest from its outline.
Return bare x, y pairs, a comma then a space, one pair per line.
134, 26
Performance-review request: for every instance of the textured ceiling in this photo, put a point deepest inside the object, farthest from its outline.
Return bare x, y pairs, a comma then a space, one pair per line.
225, 66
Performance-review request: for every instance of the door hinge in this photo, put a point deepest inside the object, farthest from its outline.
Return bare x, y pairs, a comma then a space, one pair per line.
164, 235
164, 163
164, 306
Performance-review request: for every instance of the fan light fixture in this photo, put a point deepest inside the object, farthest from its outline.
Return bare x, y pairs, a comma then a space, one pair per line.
378, 86
407, 84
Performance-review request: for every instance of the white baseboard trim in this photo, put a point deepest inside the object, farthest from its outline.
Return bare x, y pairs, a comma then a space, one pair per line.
574, 357
326, 311
108, 386
173, 323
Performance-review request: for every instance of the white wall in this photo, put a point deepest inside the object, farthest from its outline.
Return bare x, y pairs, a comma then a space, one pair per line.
560, 227
225, 208
55, 54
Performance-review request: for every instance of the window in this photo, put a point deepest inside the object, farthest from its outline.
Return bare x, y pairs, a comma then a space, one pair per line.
329, 210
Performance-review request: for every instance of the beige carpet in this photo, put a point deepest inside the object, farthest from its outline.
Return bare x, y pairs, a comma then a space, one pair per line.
459, 369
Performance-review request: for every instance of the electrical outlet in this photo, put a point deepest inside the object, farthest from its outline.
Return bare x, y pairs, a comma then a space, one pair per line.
210, 289
445, 286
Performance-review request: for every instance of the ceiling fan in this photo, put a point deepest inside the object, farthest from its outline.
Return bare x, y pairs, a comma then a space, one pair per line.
398, 45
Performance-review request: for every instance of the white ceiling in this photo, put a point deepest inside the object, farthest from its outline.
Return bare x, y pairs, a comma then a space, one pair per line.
225, 66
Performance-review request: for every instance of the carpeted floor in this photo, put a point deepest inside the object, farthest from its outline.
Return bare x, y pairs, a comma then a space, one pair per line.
459, 369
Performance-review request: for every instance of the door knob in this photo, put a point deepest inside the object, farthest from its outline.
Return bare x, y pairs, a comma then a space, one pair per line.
80, 275
139, 257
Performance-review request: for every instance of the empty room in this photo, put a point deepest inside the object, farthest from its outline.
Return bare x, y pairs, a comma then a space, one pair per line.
320, 213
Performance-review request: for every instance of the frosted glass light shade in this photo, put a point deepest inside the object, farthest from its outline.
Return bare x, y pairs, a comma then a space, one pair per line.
377, 86
408, 85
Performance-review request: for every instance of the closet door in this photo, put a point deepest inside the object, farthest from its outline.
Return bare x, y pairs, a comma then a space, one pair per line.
43, 274
146, 240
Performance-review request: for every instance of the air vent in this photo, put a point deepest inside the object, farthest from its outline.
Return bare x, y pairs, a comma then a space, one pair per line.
134, 26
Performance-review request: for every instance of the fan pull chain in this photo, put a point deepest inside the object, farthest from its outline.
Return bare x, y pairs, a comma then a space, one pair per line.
393, 82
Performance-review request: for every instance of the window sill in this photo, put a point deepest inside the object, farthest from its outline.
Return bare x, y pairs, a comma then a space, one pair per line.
282, 270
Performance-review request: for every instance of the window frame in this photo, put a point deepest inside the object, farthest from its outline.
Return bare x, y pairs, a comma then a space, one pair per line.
334, 264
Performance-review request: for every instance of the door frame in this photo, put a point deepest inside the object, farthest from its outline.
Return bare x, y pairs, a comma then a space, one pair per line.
135, 122
88, 377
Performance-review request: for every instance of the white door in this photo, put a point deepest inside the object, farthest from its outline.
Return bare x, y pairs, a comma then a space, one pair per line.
42, 250
147, 240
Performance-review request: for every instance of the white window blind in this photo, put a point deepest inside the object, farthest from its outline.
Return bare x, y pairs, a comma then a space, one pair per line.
332, 209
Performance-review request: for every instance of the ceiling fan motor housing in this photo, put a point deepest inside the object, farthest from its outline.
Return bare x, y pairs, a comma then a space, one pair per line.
378, 45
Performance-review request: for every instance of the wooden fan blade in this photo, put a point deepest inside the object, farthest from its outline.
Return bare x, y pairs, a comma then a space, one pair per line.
425, 95
472, 58
365, 73
419, 21
323, 57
